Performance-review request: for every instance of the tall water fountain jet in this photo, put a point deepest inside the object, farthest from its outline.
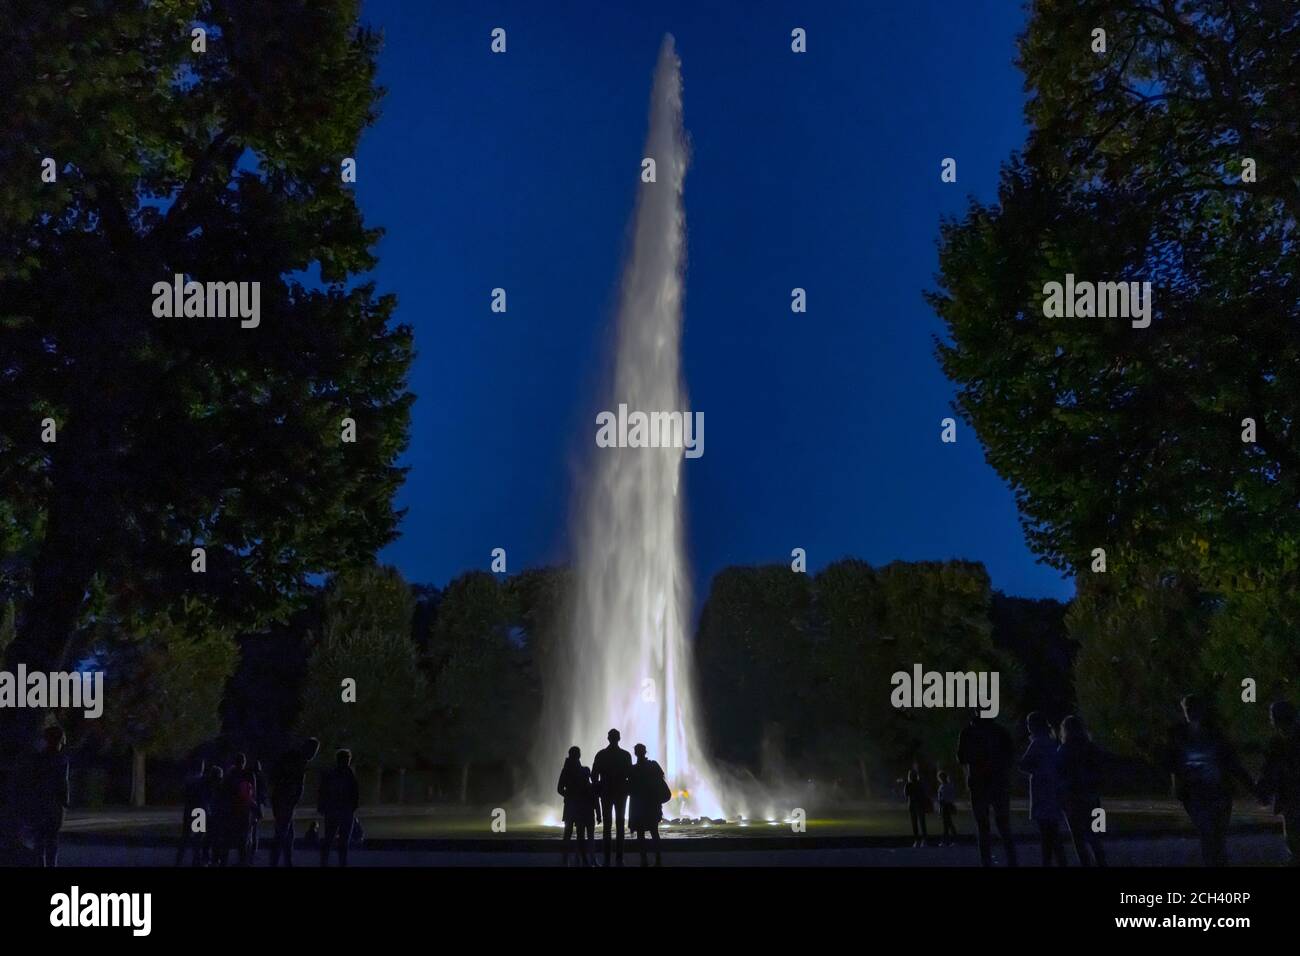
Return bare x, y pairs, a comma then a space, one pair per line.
627, 663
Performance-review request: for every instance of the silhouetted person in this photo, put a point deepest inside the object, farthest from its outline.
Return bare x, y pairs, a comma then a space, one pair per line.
918, 805
259, 811
337, 803
1203, 764
984, 748
50, 796
609, 773
1080, 761
947, 799
648, 791
288, 780
238, 806
1040, 763
194, 799
579, 806
212, 795
1280, 778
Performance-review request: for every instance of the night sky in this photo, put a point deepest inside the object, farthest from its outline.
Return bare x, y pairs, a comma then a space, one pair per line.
818, 170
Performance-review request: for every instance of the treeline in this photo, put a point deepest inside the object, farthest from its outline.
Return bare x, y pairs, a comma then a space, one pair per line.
438, 691
796, 669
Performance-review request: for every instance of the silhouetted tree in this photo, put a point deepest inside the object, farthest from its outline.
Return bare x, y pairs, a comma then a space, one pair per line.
179, 433
164, 679
382, 715
483, 687
1130, 439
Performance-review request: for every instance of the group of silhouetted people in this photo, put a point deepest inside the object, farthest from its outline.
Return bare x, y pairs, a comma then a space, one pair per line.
1204, 765
234, 800
1065, 772
613, 787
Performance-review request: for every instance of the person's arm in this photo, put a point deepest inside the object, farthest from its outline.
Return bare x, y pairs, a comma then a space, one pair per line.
67, 789
559, 787
1029, 761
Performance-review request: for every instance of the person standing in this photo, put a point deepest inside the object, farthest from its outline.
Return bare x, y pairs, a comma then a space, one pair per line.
918, 805
50, 793
288, 781
239, 811
984, 748
191, 839
1203, 764
579, 806
1280, 778
1080, 762
609, 774
648, 791
1039, 762
337, 802
947, 807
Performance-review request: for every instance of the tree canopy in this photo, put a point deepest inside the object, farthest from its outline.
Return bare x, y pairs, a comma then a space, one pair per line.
220, 164
1122, 438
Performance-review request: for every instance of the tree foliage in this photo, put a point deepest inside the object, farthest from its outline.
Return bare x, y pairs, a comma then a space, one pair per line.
366, 639
174, 433
1122, 438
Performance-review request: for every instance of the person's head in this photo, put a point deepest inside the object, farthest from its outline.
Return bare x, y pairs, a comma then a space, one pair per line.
240, 761
639, 750
215, 773
343, 758
54, 739
1282, 715
310, 748
575, 754
913, 776
943, 776
613, 736
1037, 724
1194, 709
1072, 728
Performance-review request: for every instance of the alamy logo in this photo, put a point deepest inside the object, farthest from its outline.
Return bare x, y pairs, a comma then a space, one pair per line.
74, 908
57, 690
212, 300
959, 690
1102, 300
683, 430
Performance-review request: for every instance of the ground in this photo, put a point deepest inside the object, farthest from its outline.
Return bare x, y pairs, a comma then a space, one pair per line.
1141, 833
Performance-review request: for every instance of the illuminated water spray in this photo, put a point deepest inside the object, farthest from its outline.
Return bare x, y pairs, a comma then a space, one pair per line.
628, 663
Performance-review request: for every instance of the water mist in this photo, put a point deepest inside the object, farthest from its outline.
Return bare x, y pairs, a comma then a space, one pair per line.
626, 657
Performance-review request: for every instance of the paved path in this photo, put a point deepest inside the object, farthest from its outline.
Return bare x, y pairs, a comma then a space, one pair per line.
1247, 849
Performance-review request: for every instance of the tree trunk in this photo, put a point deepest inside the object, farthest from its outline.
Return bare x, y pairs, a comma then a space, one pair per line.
137, 777
464, 783
61, 576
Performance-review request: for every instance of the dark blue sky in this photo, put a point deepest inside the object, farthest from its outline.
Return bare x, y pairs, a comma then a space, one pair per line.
818, 170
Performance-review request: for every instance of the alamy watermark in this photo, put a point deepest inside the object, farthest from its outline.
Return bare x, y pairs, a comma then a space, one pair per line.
638, 429
959, 690
55, 690
1101, 300
213, 300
